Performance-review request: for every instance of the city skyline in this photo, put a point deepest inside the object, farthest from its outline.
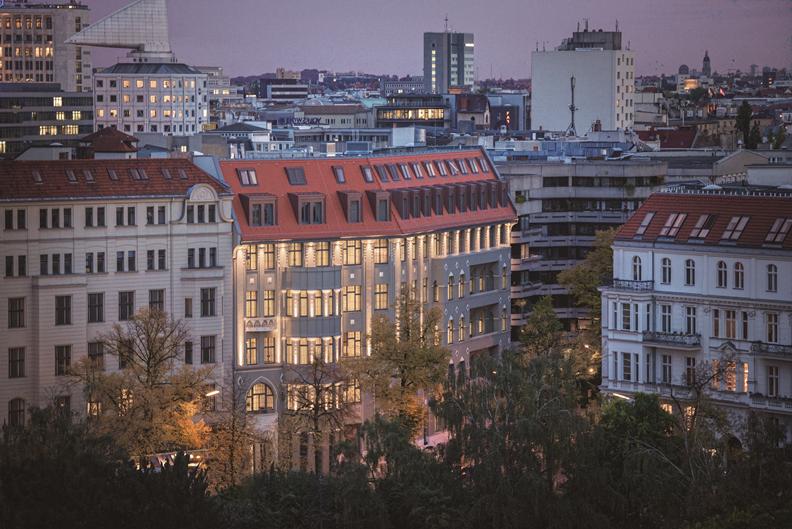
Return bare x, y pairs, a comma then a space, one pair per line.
394, 43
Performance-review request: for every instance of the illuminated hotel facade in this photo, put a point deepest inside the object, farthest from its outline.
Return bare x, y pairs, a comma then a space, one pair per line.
324, 245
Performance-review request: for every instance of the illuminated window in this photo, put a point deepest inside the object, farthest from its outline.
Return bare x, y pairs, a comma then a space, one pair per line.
350, 300
260, 399
352, 252
352, 345
381, 296
57, 101
295, 254
251, 304
323, 253
251, 351
381, 251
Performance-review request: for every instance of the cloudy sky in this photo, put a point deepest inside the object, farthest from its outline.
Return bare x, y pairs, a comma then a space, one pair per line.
378, 36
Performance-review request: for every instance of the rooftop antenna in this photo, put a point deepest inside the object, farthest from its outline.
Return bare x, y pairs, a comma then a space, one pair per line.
578, 27
537, 45
586, 24
446, 23
572, 108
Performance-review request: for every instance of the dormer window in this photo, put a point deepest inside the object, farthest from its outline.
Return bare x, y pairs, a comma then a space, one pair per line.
405, 171
672, 224
394, 172
112, 174
247, 177
368, 176
452, 166
383, 210
262, 214
430, 169
735, 228
462, 166
442, 168
88, 175
702, 227
166, 173
779, 231
37, 177
71, 176
645, 223
354, 214
473, 165
416, 167
296, 176
338, 171
484, 165
311, 211
382, 173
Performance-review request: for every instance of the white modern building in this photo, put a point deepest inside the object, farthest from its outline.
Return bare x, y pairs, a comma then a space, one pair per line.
602, 72
87, 243
35, 48
702, 294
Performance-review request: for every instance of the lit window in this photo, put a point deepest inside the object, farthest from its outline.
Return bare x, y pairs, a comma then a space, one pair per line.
57, 101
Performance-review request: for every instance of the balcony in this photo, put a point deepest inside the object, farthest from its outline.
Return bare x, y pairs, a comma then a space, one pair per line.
635, 286
783, 404
260, 324
772, 349
673, 340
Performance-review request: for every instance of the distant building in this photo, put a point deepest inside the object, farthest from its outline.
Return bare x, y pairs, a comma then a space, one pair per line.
604, 84
405, 85
448, 61
706, 67
337, 116
701, 296
282, 90
36, 51
414, 110
37, 115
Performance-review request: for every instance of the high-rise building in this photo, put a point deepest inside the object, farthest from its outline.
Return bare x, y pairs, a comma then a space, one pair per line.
706, 67
701, 301
591, 69
86, 244
34, 45
448, 61
327, 244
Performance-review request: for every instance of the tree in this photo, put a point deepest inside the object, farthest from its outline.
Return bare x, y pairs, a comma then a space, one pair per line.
754, 138
542, 331
779, 138
743, 121
150, 405
406, 359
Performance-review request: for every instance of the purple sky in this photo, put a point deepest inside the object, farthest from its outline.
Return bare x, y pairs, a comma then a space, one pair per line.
377, 36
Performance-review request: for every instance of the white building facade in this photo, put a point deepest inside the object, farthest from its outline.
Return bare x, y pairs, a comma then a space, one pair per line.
88, 243
702, 293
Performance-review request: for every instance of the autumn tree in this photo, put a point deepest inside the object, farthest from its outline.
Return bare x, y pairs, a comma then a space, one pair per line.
406, 360
150, 403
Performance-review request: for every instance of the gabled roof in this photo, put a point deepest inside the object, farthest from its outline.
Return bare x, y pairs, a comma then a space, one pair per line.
110, 139
320, 180
240, 127
763, 212
82, 179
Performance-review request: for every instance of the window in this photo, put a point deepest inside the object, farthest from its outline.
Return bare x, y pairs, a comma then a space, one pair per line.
690, 272
462, 284
352, 252
16, 362
323, 253
368, 176
96, 355
381, 296
126, 305
731, 324
269, 350
739, 276
772, 381
251, 258
735, 228
672, 224
665, 267
157, 299
690, 320
350, 300
636, 268
665, 318
16, 313
381, 251
268, 309
666, 369
645, 223
627, 366
188, 352
772, 278
251, 304
16, 412
208, 302
772, 327
352, 345
188, 308
723, 274
690, 370
208, 349
338, 172
247, 177
779, 231
450, 331
260, 399
383, 210
312, 212
716, 323
295, 254
296, 176
62, 360
96, 307
450, 287
62, 310
251, 351
626, 317
702, 227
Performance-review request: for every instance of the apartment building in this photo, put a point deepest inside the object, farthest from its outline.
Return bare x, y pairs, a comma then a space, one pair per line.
87, 243
702, 293
324, 244
561, 206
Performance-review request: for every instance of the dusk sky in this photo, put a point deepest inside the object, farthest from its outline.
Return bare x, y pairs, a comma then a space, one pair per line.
249, 37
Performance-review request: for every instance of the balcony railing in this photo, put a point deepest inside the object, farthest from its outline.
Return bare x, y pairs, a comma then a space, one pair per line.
772, 349
672, 338
639, 286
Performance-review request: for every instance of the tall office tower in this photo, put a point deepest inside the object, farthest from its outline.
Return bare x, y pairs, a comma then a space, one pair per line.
706, 67
591, 69
325, 245
35, 50
448, 61
151, 91
86, 244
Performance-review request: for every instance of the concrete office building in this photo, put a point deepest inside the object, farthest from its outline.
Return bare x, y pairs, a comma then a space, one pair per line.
448, 61
326, 244
86, 244
561, 206
34, 48
603, 73
701, 295
40, 114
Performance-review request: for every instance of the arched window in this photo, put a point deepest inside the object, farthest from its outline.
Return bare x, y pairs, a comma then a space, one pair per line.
772, 278
16, 412
690, 272
260, 399
461, 328
636, 268
723, 273
461, 285
739, 275
504, 278
504, 321
666, 270
435, 292
450, 337
450, 287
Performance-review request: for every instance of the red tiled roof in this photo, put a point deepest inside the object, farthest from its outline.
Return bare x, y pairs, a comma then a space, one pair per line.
109, 139
681, 138
763, 211
18, 179
320, 179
